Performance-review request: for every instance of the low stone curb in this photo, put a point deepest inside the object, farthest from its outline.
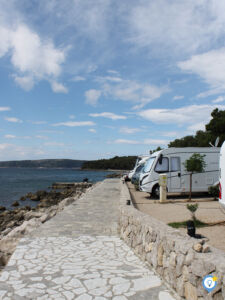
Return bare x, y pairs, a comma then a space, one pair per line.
180, 260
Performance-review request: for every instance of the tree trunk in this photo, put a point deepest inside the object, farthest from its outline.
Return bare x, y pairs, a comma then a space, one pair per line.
190, 187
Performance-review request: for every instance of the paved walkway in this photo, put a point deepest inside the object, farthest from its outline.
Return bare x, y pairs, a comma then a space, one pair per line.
78, 255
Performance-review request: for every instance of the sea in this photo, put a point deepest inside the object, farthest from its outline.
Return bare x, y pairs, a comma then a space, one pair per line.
16, 182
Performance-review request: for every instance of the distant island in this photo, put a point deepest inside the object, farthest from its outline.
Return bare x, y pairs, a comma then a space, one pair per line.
115, 163
43, 163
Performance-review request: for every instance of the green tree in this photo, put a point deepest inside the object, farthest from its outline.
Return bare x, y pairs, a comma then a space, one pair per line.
115, 163
192, 208
195, 164
187, 141
157, 149
216, 126
203, 138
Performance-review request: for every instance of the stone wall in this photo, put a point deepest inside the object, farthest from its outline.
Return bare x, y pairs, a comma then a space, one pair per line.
180, 260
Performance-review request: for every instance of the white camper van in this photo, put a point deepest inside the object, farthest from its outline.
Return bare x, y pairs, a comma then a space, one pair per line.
171, 162
222, 176
140, 161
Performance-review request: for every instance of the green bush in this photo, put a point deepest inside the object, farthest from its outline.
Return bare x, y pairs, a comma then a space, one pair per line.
136, 185
214, 191
192, 208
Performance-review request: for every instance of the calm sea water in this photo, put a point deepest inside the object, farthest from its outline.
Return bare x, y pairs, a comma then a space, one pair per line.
16, 182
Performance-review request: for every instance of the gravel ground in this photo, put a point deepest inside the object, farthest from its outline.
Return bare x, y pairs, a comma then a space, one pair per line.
209, 211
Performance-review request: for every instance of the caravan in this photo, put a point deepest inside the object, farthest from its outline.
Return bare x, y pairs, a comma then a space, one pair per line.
171, 162
140, 161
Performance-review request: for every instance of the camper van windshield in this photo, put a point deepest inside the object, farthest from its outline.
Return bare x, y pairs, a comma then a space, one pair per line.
137, 161
148, 164
139, 168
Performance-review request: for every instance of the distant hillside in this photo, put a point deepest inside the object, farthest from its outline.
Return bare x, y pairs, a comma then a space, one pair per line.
42, 163
115, 163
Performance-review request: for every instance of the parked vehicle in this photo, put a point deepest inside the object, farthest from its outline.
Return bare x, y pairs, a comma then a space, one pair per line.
140, 161
171, 162
222, 176
135, 177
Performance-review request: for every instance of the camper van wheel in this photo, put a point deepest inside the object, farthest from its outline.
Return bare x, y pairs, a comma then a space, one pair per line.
156, 192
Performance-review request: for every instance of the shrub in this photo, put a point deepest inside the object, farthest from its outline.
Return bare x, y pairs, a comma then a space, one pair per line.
214, 190
192, 208
136, 185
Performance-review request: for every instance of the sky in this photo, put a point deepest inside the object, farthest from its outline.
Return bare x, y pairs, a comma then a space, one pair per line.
91, 79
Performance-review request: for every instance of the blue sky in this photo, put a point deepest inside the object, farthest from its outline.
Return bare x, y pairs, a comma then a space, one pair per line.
88, 79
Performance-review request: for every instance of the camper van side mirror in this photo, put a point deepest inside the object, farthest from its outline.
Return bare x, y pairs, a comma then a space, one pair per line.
160, 159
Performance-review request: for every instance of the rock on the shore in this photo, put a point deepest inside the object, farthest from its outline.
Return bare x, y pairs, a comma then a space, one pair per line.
15, 203
114, 175
15, 223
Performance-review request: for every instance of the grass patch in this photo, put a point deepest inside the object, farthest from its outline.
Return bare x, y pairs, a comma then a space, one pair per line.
183, 224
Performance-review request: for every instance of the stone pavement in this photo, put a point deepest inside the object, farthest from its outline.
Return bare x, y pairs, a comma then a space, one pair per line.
78, 255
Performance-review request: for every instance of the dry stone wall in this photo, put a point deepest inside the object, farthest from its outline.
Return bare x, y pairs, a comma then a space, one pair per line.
180, 260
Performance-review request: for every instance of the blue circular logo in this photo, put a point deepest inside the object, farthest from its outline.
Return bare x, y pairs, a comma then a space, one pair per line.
209, 283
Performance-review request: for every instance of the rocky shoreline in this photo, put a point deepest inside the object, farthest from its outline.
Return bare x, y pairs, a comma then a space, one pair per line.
15, 223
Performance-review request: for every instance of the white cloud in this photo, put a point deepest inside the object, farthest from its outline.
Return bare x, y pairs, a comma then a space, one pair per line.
51, 131
91, 68
128, 130
145, 142
124, 141
5, 40
75, 124
33, 58
5, 108
38, 122
92, 96
4, 146
155, 142
87, 18
92, 130
197, 126
9, 136
178, 98
108, 115
210, 67
58, 87
211, 92
12, 152
30, 54
113, 72
219, 99
185, 115
108, 78
177, 27
25, 82
13, 120
133, 91
170, 134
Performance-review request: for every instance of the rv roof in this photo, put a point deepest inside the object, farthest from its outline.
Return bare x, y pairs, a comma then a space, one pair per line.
189, 150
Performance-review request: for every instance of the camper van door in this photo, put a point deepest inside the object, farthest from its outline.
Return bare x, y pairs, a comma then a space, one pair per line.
175, 173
